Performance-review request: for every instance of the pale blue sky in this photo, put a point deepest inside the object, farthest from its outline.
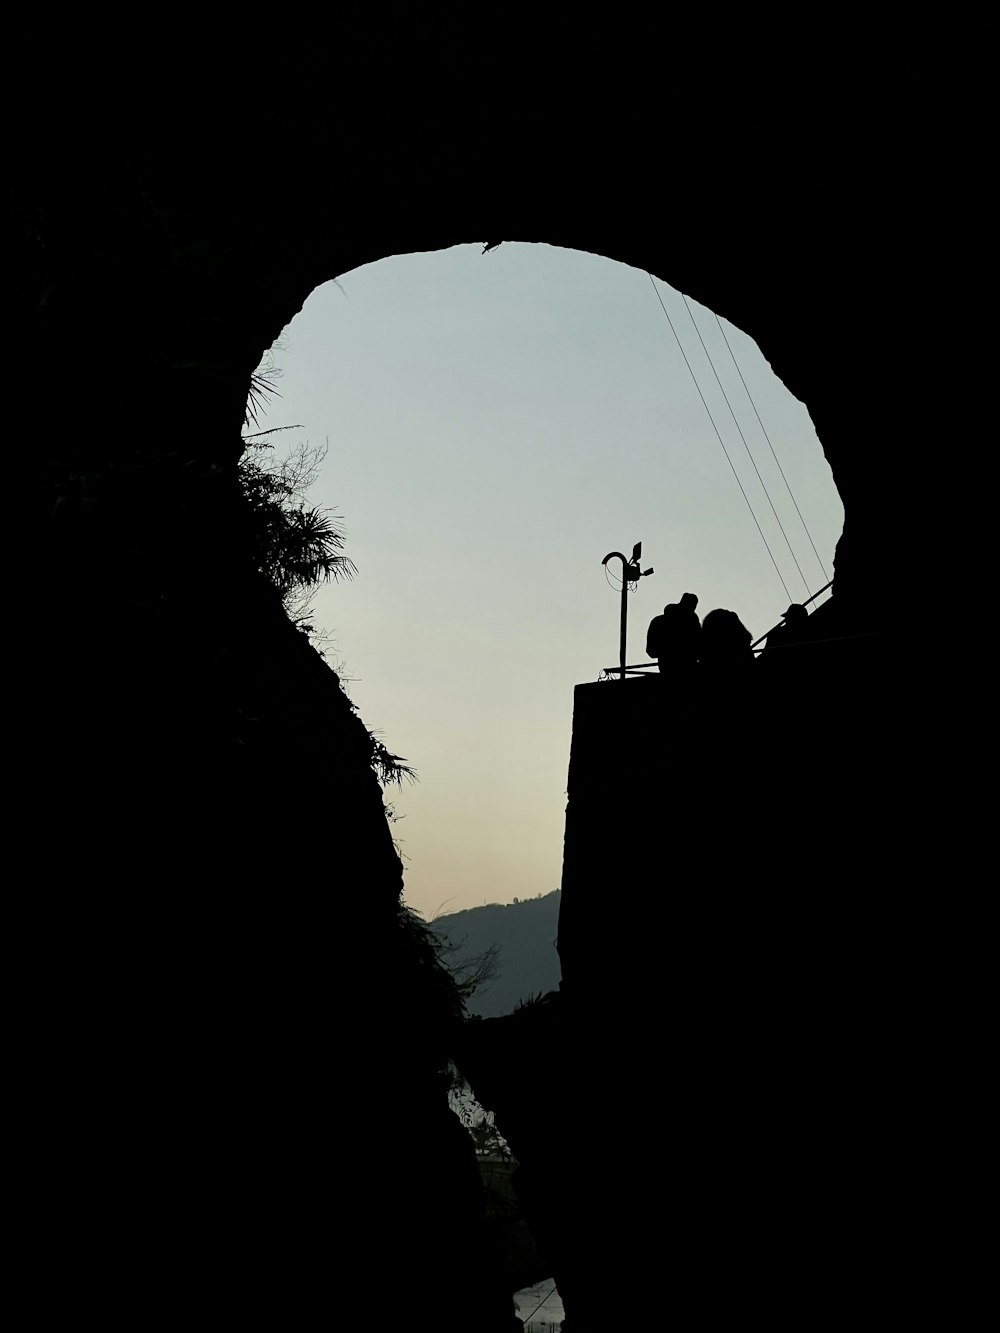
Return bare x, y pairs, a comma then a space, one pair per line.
497, 423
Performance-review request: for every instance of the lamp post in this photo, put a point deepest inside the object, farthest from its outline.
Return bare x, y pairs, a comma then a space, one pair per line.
631, 573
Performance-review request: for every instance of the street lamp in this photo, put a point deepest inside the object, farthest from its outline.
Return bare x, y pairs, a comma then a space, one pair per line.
631, 573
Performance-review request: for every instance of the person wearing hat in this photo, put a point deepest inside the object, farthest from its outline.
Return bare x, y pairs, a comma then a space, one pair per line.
786, 635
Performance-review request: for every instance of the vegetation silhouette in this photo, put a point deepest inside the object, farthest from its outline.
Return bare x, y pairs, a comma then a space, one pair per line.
296, 547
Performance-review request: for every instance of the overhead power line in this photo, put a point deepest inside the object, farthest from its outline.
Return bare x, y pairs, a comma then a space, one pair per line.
718, 435
746, 446
767, 437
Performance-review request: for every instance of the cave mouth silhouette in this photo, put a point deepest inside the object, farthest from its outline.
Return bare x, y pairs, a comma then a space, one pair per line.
459, 391
166, 263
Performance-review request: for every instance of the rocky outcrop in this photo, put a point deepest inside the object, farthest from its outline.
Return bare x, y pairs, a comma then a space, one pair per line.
202, 1047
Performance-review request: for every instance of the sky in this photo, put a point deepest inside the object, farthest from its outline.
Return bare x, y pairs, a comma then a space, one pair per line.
496, 424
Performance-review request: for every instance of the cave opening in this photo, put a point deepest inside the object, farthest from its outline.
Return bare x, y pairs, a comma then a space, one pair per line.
177, 1093
495, 422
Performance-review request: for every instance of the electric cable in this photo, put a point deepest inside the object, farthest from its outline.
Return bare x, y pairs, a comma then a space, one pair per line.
538, 1307
687, 304
719, 437
771, 447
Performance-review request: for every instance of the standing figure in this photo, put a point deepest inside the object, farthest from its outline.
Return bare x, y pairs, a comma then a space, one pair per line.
673, 638
725, 644
785, 636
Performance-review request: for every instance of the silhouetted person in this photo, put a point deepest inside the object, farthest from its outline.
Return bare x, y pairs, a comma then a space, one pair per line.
725, 644
785, 636
673, 637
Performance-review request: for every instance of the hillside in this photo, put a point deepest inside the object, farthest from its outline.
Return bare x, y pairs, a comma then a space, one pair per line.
527, 963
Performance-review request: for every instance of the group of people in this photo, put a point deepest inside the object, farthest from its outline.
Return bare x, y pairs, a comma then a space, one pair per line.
720, 644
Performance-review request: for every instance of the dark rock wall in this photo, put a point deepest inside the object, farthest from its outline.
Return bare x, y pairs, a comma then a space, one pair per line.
173, 198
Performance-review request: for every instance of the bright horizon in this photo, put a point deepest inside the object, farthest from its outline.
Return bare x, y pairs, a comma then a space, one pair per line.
498, 423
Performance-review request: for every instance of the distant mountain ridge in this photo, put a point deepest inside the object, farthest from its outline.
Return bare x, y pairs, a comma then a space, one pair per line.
527, 963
